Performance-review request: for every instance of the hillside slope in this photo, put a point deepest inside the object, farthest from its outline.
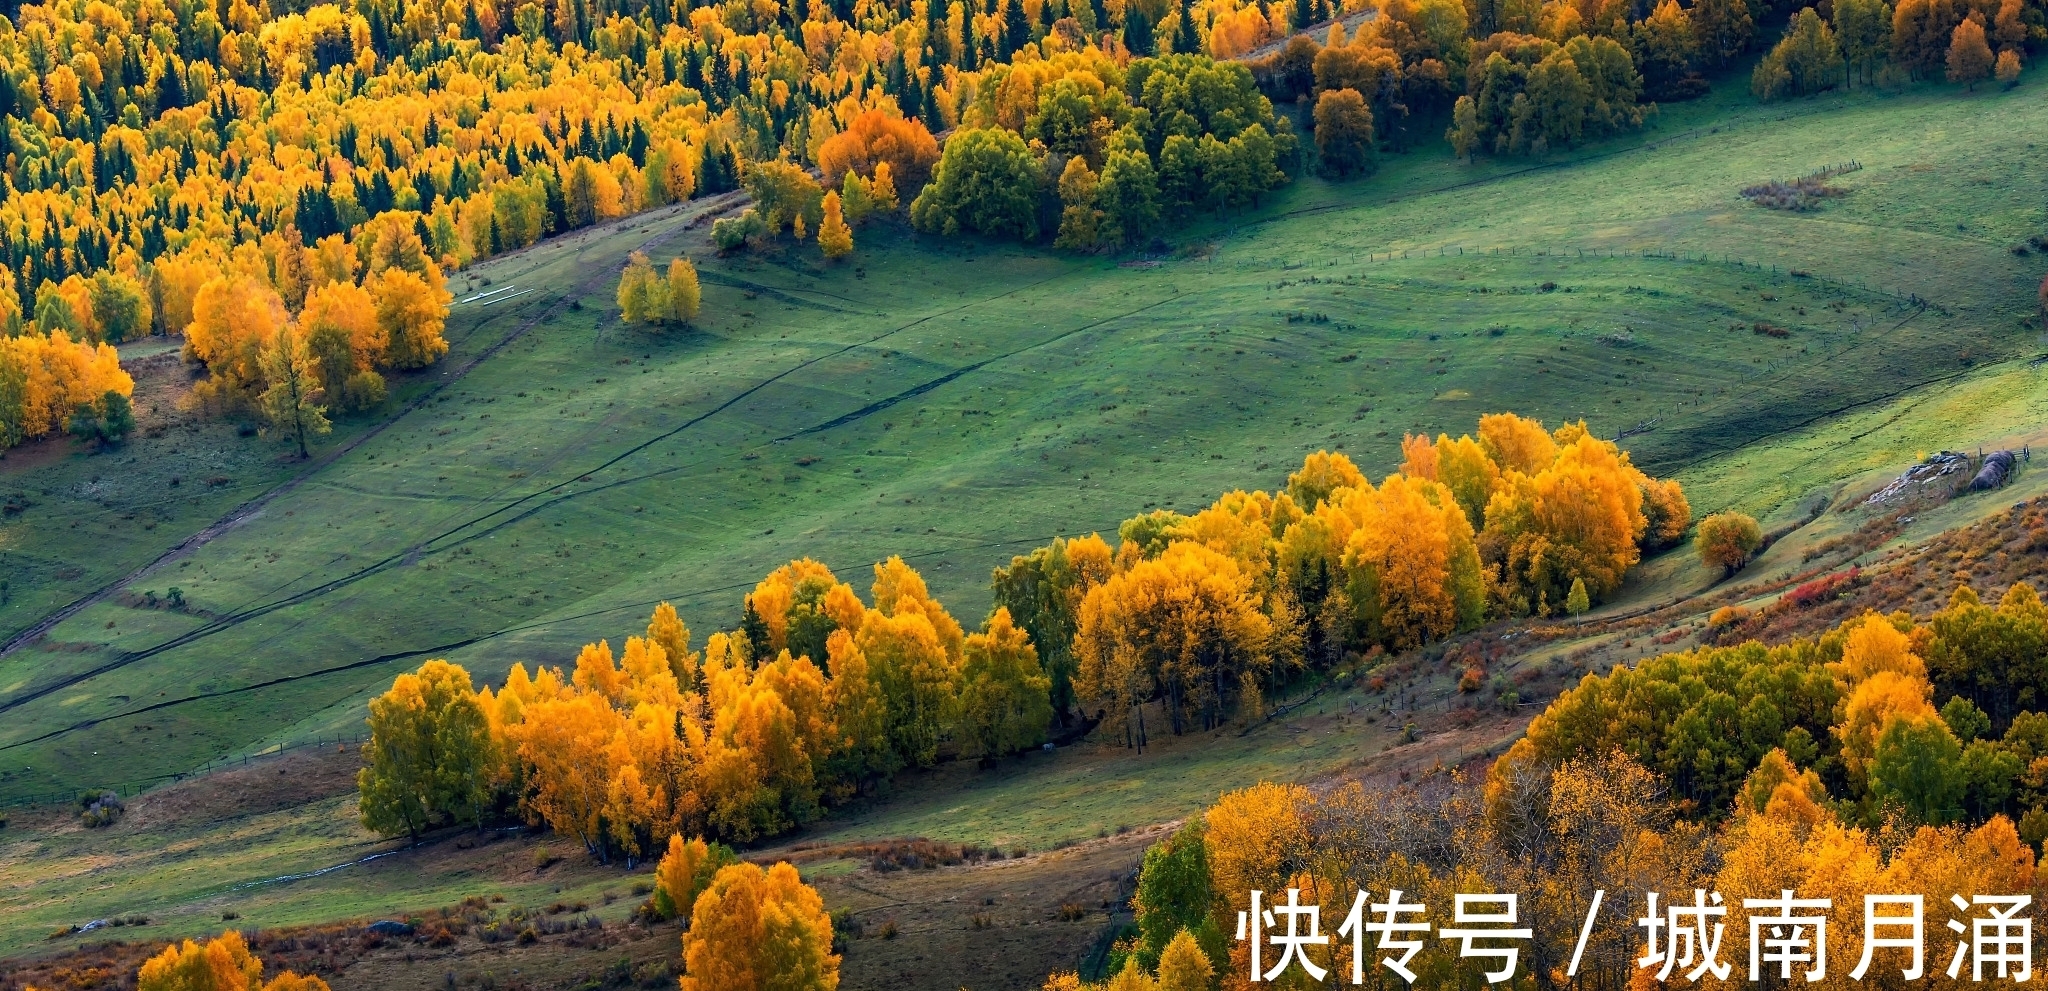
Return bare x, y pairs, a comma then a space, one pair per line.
959, 401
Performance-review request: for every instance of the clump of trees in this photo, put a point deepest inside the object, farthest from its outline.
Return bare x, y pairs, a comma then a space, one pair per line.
647, 298
1852, 709
1515, 80
222, 964
1102, 154
1869, 41
1554, 832
818, 697
815, 699
1807, 60
323, 334
787, 197
1820, 766
1549, 509
1207, 612
155, 155
1531, 95
103, 422
46, 379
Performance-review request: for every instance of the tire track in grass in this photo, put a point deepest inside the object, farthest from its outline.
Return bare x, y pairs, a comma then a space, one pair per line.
236, 618
856, 415
778, 294
249, 509
453, 645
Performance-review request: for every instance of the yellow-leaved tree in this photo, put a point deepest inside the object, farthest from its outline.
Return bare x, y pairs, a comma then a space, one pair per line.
1255, 837
755, 930
1184, 627
1004, 694
340, 325
293, 400
684, 294
1183, 966
232, 317
835, 239
222, 964
411, 310
431, 755
685, 871
642, 297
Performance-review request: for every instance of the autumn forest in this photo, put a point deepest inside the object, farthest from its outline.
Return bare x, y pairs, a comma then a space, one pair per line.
945, 494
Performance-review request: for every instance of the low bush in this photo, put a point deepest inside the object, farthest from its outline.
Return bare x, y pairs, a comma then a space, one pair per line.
653, 973
103, 809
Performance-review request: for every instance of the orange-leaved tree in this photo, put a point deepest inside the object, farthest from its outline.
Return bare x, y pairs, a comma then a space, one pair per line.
221, 964
879, 135
755, 930
686, 869
1184, 627
1727, 539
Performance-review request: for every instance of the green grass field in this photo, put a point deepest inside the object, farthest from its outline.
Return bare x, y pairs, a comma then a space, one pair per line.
184, 860
958, 401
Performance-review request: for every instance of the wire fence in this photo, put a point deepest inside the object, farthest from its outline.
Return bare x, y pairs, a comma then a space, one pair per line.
1694, 257
131, 789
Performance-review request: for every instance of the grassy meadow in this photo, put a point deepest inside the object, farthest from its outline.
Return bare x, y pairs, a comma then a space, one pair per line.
240, 839
959, 401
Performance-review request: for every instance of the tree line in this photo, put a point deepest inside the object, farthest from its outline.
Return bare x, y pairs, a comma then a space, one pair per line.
819, 697
152, 129
1553, 834
50, 382
1875, 42
1102, 153
1854, 712
1207, 612
1821, 766
815, 699
154, 147
1526, 77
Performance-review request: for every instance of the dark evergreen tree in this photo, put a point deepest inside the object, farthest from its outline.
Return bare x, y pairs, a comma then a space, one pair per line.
170, 88
1016, 30
636, 146
558, 206
754, 630
1185, 39
1138, 32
